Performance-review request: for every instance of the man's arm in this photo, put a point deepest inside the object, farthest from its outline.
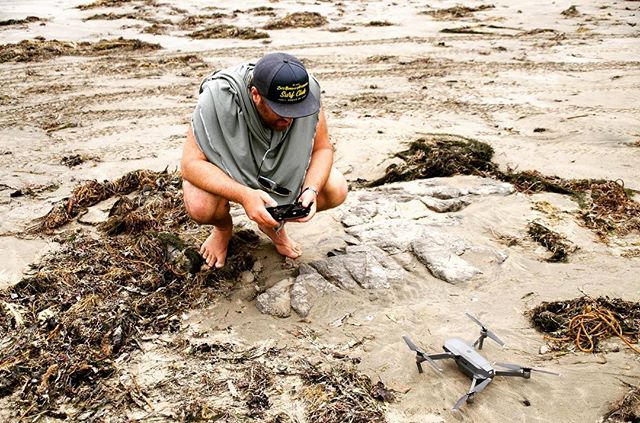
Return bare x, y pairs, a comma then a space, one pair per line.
321, 157
203, 174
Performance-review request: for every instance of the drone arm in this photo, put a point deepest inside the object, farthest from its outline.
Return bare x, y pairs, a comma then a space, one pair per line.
480, 341
518, 373
442, 356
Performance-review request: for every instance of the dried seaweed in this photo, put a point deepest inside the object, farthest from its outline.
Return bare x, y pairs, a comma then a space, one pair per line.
552, 241
298, 20
456, 12
105, 3
40, 49
26, 20
583, 322
340, 394
440, 156
626, 409
93, 192
571, 12
228, 31
83, 306
606, 206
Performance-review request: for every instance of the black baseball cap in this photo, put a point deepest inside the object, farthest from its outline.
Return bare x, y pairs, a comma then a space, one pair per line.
283, 82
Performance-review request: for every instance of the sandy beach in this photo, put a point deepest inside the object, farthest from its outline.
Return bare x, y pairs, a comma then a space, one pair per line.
552, 87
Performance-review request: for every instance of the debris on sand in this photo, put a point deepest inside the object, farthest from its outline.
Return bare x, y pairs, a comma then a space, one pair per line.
552, 241
571, 12
583, 322
340, 394
379, 23
298, 20
81, 307
73, 160
112, 16
609, 209
93, 192
195, 21
104, 3
228, 31
440, 155
261, 11
606, 206
627, 409
73, 327
456, 12
464, 30
41, 49
26, 20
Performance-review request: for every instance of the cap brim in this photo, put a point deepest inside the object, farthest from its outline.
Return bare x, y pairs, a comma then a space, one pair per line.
306, 107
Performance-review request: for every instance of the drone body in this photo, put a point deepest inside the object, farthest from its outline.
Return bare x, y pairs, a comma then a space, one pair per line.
471, 362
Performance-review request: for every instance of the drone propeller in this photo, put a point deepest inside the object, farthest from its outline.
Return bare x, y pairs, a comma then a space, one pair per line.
473, 391
517, 368
422, 354
485, 332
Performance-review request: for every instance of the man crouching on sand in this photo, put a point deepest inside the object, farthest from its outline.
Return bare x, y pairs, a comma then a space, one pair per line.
258, 137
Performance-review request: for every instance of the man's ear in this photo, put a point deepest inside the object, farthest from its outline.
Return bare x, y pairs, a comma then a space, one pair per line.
255, 95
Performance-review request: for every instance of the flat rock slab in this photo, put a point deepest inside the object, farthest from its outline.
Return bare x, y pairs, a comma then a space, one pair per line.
406, 219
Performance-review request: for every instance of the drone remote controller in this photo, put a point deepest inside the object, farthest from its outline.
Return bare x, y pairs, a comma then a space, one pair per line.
289, 211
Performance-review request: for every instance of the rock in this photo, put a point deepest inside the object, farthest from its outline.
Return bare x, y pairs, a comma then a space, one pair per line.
445, 206
371, 267
544, 349
443, 263
333, 270
492, 187
306, 289
276, 301
247, 276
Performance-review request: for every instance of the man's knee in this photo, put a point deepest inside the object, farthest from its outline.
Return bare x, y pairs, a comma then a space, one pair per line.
335, 190
203, 207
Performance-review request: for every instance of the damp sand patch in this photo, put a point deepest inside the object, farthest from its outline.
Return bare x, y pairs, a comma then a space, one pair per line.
582, 323
40, 49
606, 207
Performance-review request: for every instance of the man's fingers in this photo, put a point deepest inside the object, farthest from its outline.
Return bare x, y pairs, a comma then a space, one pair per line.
268, 200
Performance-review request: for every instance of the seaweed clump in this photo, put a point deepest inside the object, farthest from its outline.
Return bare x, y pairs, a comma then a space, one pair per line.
340, 394
456, 12
40, 49
298, 20
93, 192
26, 20
228, 31
104, 3
583, 322
440, 156
552, 241
606, 206
627, 409
82, 308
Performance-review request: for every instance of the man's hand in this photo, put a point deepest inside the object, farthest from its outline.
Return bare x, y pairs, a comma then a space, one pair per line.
255, 202
307, 197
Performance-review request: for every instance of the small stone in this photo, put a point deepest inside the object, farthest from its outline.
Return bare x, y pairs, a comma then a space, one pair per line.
544, 349
247, 276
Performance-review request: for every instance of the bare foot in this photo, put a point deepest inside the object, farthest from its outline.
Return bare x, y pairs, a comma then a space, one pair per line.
214, 248
284, 245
